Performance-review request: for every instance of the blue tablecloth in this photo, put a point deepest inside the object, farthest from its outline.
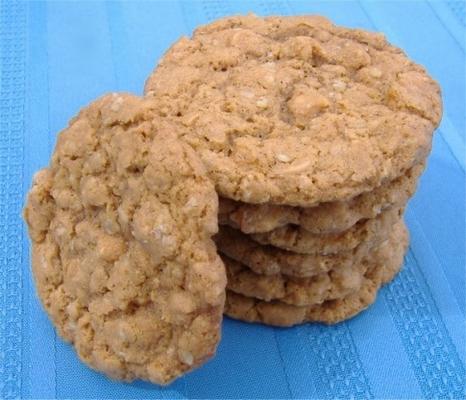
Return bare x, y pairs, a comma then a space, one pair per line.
56, 57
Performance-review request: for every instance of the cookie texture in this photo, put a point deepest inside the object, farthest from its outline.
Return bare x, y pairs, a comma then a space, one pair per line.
295, 110
295, 238
333, 284
121, 225
270, 260
325, 218
278, 313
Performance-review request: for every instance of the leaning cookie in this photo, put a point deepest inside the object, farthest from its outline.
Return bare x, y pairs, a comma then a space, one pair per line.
277, 313
121, 225
325, 218
295, 110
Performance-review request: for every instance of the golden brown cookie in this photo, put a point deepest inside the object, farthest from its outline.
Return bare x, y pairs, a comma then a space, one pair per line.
334, 284
330, 217
121, 224
397, 252
270, 260
296, 239
337, 283
295, 110
278, 313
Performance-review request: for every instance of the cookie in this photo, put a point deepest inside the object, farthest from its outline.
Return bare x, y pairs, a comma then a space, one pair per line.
336, 283
397, 252
325, 218
277, 313
122, 256
270, 260
296, 239
295, 110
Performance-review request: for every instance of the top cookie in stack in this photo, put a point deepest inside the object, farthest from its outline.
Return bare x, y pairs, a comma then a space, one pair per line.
315, 136
296, 111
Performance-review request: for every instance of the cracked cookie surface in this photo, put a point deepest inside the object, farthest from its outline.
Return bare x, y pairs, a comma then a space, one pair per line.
121, 224
278, 313
295, 110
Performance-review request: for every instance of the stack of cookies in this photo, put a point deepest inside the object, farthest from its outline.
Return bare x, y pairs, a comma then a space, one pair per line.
277, 154
315, 137
288, 265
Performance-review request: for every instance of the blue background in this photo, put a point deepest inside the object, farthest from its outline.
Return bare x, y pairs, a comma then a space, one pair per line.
56, 57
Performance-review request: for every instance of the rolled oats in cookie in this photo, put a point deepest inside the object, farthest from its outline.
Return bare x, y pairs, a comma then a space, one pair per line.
278, 313
325, 218
338, 282
334, 284
295, 110
270, 260
121, 224
295, 238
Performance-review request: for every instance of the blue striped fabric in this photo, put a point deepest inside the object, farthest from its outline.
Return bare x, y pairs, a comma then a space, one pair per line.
12, 115
55, 57
459, 9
